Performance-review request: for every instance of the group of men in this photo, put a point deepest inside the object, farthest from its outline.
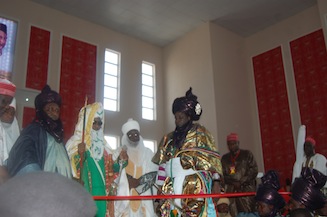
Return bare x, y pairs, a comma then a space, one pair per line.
187, 162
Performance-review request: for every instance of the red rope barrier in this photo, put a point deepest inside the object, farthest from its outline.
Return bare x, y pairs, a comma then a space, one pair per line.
150, 197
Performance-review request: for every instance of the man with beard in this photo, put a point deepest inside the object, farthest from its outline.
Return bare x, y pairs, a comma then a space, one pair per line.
40, 145
240, 171
92, 159
138, 176
189, 162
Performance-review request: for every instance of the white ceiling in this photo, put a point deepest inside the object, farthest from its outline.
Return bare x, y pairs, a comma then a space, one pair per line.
160, 22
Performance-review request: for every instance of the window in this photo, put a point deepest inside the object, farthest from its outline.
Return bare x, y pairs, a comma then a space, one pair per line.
151, 144
111, 80
148, 91
113, 141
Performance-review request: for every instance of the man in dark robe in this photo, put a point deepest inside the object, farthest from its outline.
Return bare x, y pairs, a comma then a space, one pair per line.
40, 145
240, 171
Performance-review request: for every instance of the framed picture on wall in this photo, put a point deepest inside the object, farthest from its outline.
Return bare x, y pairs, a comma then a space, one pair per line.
8, 30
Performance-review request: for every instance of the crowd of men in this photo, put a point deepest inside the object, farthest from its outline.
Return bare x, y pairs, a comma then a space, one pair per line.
37, 162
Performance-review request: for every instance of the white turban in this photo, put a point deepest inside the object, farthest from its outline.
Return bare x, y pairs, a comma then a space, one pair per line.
130, 125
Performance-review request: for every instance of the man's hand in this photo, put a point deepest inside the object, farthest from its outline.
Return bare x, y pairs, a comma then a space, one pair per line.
132, 182
123, 155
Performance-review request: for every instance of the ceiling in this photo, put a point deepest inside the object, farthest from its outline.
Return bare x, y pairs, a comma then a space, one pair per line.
161, 22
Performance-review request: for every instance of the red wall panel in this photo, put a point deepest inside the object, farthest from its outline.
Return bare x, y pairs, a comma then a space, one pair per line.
310, 71
38, 57
274, 115
28, 116
77, 79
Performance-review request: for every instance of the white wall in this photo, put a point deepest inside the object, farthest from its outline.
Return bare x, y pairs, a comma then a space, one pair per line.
188, 63
133, 51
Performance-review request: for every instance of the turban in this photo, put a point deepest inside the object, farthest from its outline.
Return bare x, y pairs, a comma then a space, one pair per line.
130, 125
223, 200
188, 105
46, 96
45, 194
232, 137
307, 189
311, 140
3, 28
7, 88
267, 191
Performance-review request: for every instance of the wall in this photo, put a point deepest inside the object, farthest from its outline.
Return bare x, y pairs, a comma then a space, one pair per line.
231, 88
188, 63
133, 51
280, 35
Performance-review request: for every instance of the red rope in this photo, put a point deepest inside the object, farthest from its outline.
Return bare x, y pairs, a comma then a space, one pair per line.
150, 197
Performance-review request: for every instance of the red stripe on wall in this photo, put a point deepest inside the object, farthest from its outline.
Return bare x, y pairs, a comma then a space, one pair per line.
77, 79
274, 114
310, 71
38, 57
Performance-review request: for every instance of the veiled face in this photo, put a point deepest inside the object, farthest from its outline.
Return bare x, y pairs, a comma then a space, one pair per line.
181, 119
52, 110
97, 123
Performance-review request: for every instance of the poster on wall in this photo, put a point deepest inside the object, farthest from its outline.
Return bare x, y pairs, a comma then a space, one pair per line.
8, 30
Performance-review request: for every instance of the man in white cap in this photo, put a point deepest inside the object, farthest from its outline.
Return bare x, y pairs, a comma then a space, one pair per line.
9, 130
137, 178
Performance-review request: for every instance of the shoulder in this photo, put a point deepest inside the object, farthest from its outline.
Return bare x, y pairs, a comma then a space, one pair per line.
246, 152
32, 128
320, 156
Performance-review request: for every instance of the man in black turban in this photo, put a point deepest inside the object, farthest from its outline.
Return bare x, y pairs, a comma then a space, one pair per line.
306, 190
185, 156
269, 201
40, 147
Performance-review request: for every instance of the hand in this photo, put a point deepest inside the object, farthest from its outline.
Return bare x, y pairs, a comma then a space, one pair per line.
81, 148
132, 182
123, 155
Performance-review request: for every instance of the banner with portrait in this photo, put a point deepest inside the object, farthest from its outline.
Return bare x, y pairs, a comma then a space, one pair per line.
8, 30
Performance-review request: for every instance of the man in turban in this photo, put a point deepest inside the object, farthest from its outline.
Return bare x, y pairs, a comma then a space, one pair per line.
139, 174
240, 172
9, 129
269, 201
188, 157
93, 162
306, 190
40, 145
